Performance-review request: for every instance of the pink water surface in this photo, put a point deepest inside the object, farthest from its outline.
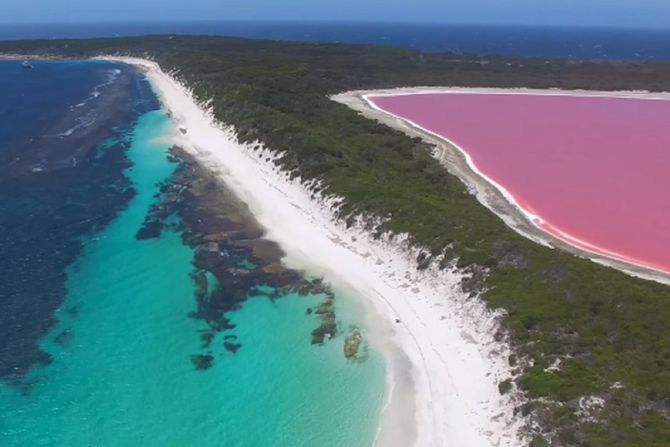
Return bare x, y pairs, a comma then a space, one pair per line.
596, 170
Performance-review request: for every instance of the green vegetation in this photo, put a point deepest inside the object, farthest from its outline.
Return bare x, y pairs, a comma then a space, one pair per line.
610, 331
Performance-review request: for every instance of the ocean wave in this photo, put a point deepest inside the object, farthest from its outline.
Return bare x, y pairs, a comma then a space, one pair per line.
88, 119
110, 77
83, 122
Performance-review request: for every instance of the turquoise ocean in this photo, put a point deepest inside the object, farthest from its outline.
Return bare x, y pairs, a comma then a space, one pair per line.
114, 365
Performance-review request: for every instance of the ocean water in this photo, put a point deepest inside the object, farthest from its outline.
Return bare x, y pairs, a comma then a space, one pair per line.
55, 188
116, 366
23, 112
549, 41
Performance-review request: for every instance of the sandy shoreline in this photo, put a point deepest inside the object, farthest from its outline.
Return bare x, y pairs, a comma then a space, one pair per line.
492, 195
443, 361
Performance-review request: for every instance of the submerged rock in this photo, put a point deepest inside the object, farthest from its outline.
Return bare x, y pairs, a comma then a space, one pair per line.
151, 229
211, 247
202, 362
232, 347
328, 327
206, 338
222, 231
216, 237
352, 343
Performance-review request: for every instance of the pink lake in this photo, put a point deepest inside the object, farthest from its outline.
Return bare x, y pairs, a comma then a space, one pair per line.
595, 170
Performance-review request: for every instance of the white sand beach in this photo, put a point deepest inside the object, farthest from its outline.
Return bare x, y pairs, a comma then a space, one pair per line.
443, 358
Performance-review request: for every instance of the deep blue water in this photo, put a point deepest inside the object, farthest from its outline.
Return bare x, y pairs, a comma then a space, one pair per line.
570, 42
28, 101
57, 185
112, 339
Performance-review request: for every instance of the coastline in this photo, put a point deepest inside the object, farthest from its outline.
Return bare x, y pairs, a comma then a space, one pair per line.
178, 362
445, 362
489, 193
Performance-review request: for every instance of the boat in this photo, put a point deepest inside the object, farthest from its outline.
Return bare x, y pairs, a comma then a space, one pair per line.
27, 64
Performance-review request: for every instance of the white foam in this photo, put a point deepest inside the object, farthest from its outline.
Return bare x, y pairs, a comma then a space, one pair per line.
82, 123
110, 78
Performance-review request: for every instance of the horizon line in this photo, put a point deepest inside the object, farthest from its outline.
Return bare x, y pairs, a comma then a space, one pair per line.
339, 21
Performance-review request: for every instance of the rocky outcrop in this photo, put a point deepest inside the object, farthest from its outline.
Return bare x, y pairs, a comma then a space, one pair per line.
328, 327
352, 344
233, 260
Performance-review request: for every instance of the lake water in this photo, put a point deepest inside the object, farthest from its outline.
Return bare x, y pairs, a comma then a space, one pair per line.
594, 169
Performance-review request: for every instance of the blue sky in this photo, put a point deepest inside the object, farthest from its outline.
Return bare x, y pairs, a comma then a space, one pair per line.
638, 13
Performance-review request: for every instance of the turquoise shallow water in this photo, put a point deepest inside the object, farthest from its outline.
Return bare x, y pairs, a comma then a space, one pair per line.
122, 374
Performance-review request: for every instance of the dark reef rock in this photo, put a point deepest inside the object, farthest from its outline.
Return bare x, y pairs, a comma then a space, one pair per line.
206, 338
151, 229
232, 347
226, 240
64, 337
352, 343
202, 362
328, 327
